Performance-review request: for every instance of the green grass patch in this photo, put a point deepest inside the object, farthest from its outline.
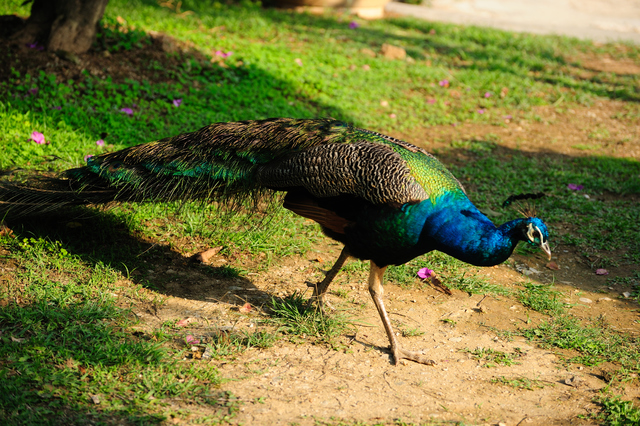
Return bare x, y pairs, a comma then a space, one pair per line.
521, 382
298, 318
617, 412
492, 358
595, 341
541, 298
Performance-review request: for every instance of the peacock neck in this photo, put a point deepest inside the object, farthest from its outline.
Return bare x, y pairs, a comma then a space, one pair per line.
468, 235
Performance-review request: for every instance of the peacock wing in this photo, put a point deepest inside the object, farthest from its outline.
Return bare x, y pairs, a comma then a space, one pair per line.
370, 171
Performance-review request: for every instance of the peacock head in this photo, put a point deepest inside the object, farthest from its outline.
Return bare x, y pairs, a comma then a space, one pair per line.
537, 234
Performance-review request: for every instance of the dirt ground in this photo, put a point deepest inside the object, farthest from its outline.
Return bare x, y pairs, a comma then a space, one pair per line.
305, 383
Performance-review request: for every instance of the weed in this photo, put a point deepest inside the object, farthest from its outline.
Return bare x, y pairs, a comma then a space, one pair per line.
595, 342
296, 317
521, 382
541, 298
616, 412
492, 357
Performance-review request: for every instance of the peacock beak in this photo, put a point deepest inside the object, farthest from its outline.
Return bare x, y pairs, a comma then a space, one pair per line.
545, 246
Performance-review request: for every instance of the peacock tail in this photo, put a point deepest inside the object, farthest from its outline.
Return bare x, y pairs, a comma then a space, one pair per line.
222, 160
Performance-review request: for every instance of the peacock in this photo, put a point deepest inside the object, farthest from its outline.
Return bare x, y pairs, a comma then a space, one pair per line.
386, 200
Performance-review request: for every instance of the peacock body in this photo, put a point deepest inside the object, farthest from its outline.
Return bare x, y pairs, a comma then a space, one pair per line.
386, 200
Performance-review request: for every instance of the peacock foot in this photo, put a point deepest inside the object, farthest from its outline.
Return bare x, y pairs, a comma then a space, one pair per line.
399, 354
319, 300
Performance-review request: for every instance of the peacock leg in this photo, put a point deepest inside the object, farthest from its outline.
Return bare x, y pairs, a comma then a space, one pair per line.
320, 288
375, 288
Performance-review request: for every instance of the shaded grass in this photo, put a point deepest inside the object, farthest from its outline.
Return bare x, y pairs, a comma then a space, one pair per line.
67, 348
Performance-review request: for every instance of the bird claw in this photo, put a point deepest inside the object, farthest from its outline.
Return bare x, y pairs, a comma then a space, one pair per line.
399, 354
319, 300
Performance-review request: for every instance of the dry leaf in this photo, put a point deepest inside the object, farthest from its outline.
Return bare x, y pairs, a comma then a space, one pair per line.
553, 266
206, 255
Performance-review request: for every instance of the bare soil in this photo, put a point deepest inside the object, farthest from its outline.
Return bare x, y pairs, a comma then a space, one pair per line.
301, 381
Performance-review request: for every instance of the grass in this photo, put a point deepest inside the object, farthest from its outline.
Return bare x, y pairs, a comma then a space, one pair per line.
595, 342
541, 298
297, 318
492, 358
67, 348
617, 412
67, 284
521, 382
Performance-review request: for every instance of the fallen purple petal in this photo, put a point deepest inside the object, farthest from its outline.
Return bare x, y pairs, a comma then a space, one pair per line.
431, 101
86, 157
444, 83
481, 111
177, 102
35, 45
353, 25
487, 95
38, 137
602, 272
192, 340
33, 91
574, 187
507, 117
127, 111
425, 273
56, 107
100, 142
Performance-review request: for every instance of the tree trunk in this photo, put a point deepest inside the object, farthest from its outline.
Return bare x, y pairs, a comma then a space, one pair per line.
68, 25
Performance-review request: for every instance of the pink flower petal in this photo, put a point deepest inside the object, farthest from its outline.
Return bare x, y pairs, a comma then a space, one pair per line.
127, 111
602, 272
86, 157
425, 273
487, 95
184, 322
444, 83
38, 137
191, 340
100, 142
177, 102
574, 187
431, 101
353, 25
481, 111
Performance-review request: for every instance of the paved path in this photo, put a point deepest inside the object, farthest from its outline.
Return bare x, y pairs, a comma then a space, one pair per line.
599, 20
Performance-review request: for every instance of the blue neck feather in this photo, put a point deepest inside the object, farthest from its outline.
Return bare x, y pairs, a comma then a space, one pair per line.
458, 228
